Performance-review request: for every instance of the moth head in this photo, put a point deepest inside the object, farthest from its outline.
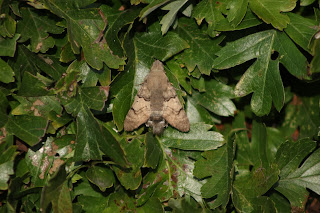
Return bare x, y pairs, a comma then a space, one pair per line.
157, 126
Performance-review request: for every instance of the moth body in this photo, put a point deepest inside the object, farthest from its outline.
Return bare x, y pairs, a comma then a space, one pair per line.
156, 104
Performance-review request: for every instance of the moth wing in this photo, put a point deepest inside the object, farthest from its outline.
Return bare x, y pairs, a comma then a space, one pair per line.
174, 113
138, 114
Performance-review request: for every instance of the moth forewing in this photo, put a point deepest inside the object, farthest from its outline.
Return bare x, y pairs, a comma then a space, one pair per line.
156, 103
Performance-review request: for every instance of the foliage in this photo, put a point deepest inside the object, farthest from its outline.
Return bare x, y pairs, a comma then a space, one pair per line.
247, 72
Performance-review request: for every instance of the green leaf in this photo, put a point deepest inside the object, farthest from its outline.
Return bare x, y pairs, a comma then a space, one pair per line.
212, 11
303, 114
8, 154
101, 176
8, 45
6, 171
237, 11
86, 27
154, 4
170, 17
301, 30
153, 151
262, 78
197, 114
180, 74
39, 163
27, 61
199, 138
87, 201
314, 65
33, 85
6, 73
57, 192
281, 204
144, 48
306, 2
244, 153
91, 97
290, 56
3, 109
185, 205
30, 129
92, 139
294, 180
37, 106
270, 11
36, 28
217, 167
216, 98
172, 176
249, 196
7, 25
202, 47
249, 20
131, 179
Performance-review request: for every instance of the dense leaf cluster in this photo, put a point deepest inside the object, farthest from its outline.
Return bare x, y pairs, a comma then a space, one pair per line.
246, 71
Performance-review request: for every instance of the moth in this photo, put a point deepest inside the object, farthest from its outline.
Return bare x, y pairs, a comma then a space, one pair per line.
156, 104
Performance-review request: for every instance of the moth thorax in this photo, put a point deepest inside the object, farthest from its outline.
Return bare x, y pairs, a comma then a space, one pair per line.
157, 126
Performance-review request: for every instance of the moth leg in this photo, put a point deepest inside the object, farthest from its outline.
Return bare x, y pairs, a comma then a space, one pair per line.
175, 115
138, 114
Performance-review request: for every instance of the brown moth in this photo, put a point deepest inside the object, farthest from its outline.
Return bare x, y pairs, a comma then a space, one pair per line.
156, 104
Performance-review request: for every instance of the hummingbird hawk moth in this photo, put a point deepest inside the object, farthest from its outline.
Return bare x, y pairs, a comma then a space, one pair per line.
156, 104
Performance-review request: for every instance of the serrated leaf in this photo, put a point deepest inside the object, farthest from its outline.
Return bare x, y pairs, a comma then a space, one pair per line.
86, 27
37, 106
173, 175
302, 113
216, 98
181, 75
301, 30
27, 61
263, 77
39, 162
8, 45
30, 129
290, 56
217, 167
198, 138
92, 97
33, 85
198, 114
143, 49
93, 140
36, 27
212, 11
168, 19
270, 11
202, 47
131, 179
292, 183
249, 20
